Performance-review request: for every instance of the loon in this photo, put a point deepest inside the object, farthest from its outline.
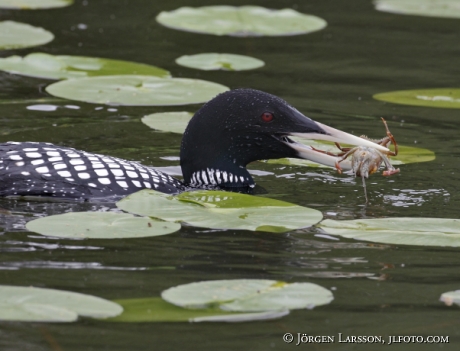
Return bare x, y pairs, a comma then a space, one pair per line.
233, 129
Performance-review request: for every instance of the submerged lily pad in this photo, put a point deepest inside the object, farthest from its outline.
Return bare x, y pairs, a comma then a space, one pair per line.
62, 67
248, 295
226, 62
451, 297
15, 35
441, 97
221, 210
431, 8
173, 122
244, 21
33, 4
398, 230
155, 309
224, 301
100, 225
30, 304
135, 90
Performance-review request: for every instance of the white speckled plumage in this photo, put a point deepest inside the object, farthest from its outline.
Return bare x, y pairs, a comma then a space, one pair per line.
50, 170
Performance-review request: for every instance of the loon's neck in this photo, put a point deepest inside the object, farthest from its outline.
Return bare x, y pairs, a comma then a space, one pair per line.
221, 177
215, 157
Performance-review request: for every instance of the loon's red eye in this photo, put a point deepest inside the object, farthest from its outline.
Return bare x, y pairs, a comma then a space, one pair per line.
267, 117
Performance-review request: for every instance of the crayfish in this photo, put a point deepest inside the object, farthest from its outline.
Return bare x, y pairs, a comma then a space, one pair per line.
367, 160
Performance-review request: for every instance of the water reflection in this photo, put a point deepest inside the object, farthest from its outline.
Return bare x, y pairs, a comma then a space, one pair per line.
24, 246
42, 107
332, 275
64, 265
326, 178
411, 197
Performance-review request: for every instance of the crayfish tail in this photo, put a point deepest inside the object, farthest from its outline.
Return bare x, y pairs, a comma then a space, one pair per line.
365, 189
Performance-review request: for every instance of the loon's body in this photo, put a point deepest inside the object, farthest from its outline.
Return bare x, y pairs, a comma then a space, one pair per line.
230, 131
43, 169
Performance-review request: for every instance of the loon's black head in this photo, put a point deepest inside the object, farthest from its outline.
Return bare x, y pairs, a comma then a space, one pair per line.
245, 125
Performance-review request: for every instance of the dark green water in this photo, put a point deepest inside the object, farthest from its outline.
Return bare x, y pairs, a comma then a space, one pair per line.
329, 75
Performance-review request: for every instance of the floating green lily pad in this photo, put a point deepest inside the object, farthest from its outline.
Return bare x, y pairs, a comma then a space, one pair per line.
411, 154
33, 4
431, 8
325, 146
451, 297
15, 35
248, 295
173, 122
30, 304
398, 230
135, 90
155, 309
222, 210
441, 98
226, 62
244, 21
295, 162
62, 67
100, 225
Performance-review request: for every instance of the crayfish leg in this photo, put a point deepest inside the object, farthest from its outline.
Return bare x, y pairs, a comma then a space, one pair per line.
326, 152
344, 149
393, 141
337, 167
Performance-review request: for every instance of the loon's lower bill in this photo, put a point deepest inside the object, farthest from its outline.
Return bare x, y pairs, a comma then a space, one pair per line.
230, 131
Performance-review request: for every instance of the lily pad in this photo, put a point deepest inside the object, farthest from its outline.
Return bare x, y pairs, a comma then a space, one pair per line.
31, 304
226, 62
221, 210
136, 90
62, 67
411, 154
441, 97
15, 35
173, 122
431, 8
398, 230
244, 21
451, 297
33, 4
248, 295
155, 309
100, 225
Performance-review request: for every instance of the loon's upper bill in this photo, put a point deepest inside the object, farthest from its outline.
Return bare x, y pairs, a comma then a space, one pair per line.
233, 129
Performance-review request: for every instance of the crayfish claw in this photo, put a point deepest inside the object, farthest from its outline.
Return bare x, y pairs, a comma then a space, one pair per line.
338, 168
390, 172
